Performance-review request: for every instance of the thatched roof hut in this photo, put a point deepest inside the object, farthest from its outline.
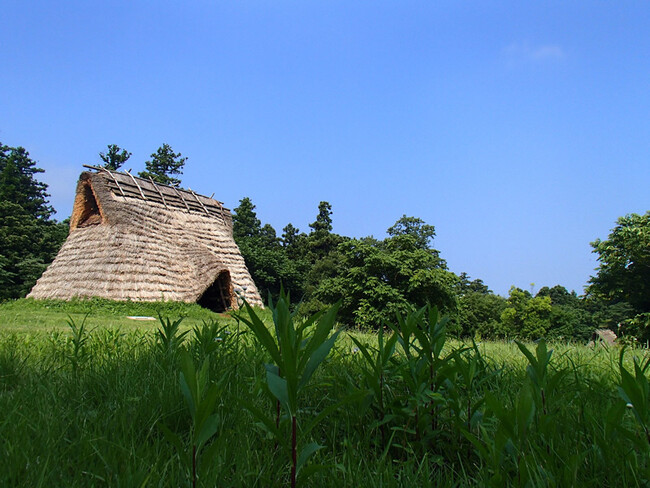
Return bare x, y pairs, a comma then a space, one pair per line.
603, 336
133, 239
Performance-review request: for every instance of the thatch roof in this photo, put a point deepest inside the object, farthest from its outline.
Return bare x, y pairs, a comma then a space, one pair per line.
603, 336
133, 239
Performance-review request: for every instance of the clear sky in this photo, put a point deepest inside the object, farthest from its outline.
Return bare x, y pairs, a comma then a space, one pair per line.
520, 130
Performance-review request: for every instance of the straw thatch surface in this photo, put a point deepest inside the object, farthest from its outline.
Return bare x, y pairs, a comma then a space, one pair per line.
133, 239
602, 336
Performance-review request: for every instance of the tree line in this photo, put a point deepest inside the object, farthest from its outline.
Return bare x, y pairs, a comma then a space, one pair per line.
372, 278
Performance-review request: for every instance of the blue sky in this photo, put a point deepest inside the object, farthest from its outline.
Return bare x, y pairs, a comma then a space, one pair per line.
520, 130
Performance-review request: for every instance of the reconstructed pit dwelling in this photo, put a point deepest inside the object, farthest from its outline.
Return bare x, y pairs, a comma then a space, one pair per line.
134, 239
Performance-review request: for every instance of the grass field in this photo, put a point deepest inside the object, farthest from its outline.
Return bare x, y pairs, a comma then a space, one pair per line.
91, 398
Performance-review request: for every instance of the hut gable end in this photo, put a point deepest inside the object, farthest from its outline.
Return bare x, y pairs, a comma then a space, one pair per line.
133, 239
86, 210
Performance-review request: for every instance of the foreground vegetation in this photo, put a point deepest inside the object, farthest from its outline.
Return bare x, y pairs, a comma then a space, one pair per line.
213, 401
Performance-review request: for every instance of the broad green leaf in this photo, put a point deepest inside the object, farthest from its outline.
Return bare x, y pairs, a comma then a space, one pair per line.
323, 327
278, 387
317, 357
262, 333
174, 440
207, 405
306, 452
208, 429
187, 393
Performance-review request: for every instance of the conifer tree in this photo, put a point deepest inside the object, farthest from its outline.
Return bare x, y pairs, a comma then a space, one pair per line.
163, 164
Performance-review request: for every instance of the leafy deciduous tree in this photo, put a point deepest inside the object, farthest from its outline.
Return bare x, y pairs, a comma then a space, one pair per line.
623, 274
416, 227
374, 279
479, 310
525, 316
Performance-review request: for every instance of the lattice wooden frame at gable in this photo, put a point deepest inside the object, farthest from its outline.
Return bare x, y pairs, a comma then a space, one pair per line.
129, 186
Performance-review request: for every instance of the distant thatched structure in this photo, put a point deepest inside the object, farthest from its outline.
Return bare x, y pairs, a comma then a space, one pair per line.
133, 239
602, 336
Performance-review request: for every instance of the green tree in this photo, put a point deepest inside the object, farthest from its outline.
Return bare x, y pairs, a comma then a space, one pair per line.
623, 274
163, 164
265, 257
323, 222
29, 238
569, 318
18, 183
321, 241
560, 296
374, 279
244, 221
319, 253
479, 310
290, 236
413, 226
526, 317
115, 157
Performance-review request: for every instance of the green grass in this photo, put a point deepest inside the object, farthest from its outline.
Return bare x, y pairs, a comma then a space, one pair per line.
28, 315
92, 409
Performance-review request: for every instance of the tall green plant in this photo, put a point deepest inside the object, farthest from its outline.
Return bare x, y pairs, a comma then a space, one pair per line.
374, 371
79, 354
543, 381
634, 389
169, 338
296, 351
209, 337
422, 336
201, 397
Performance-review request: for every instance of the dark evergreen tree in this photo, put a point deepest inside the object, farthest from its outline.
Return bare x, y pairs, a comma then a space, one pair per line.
29, 239
115, 157
18, 183
323, 222
290, 236
244, 221
265, 257
163, 164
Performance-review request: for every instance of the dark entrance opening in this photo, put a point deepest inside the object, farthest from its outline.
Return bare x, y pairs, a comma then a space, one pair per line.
218, 296
89, 210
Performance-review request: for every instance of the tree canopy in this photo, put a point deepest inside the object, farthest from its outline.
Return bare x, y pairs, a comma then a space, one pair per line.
623, 274
422, 232
265, 257
163, 164
115, 157
374, 279
29, 238
18, 183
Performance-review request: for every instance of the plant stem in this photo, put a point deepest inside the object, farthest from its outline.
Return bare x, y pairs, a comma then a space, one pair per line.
194, 466
293, 451
381, 410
